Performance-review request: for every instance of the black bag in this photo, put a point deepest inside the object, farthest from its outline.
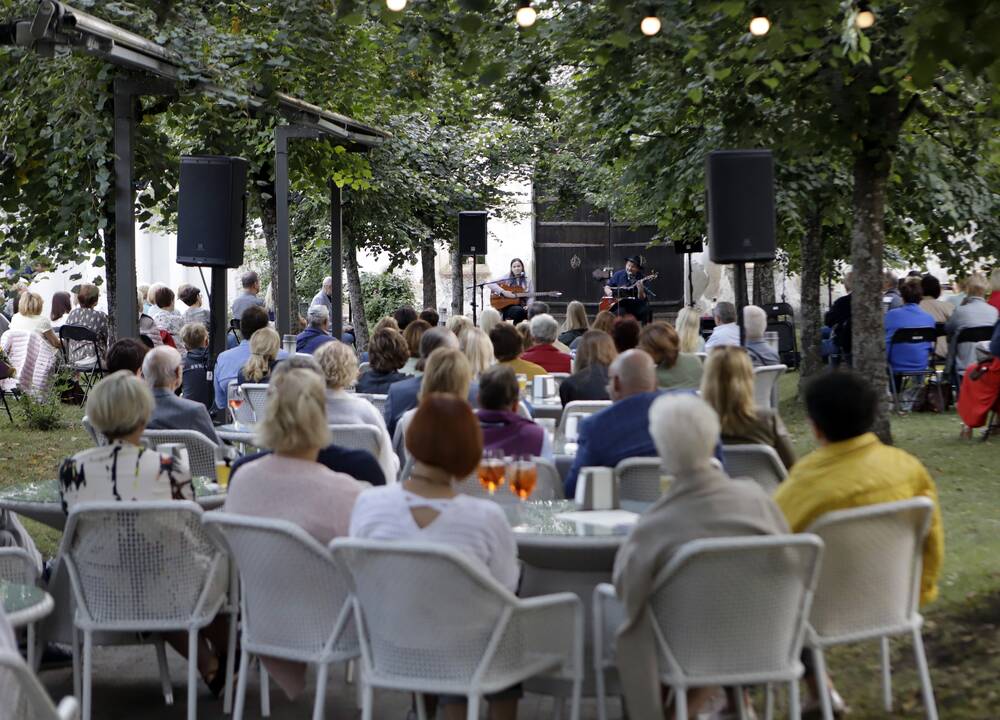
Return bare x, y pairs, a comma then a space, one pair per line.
928, 399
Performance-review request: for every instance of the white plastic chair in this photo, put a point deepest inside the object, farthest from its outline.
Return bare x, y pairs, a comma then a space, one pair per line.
24, 696
255, 401
201, 450
363, 368
357, 437
375, 399
759, 462
143, 567
17, 566
640, 479
725, 611
580, 408
278, 560
549, 485
432, 620
869, 586
98, 437
765, 385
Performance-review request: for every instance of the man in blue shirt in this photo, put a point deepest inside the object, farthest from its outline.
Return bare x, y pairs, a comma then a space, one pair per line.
316, 333
633, 300
908, 357
228, 364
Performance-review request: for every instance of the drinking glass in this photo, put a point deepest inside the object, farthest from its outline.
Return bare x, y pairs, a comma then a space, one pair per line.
522, 475
234, 397
522, 384
491, 470
224, 456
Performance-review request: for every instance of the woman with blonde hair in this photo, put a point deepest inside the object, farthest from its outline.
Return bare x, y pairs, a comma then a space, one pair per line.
594, 355
29, 318
674, 369
688, 326
603, 321
459, 324
387, 322
264, 347
478, 350
489, 318
575, 324
727, 385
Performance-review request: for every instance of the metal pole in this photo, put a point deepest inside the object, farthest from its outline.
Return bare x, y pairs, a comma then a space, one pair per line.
126, 316
336, 259
741, 296
218, 310
282, 298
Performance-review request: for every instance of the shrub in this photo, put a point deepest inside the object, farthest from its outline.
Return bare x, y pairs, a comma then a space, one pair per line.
383, 293
44, 410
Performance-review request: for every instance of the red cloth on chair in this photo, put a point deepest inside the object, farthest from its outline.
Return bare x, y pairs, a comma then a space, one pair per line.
980, 392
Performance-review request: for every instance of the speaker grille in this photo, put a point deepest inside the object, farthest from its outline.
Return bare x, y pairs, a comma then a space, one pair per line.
741, 222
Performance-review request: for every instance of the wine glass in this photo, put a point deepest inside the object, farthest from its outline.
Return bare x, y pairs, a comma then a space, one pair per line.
234, 398
491, 470
522, 475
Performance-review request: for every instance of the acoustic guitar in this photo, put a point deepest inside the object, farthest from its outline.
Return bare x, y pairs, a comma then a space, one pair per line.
499, 302
609, 302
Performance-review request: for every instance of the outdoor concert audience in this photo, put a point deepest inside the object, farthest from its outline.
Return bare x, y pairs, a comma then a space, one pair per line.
726, 331
478, 350
891, 298
590, 379
167, 318
196, 312
126, 354
974, 312
904, 357
228, 364
316, 332
702, 502
387, 322
61, 305
489, 318
544, 329
250, 282
538, 308
87, 315
430, 316
937, 309
29, 318
625, 333
412, 334
674, 369
264, 347
508, 347
149, 334
458, 324
387, 353
403, 395
290, 485
575, 324
994, 298
503, 429
727, 386
755, 325
404, 316
195, 382
688, 326
524, 328
161, 368
340, 369
838, 317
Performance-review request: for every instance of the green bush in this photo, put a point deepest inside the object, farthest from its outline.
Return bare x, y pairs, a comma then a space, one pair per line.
45, 411
383, 293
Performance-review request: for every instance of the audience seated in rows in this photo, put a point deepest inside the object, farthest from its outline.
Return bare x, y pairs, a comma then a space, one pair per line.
478, 350
688, 326
459, 324
674, 369
413, 334
250, 282
317, 331
508, 348
228, 364
195, 384
404, 316
974, 312
702, 502
575, 323
727, 386
590, 380
264, 347
29, 318
726, 331
755, 325
126, 354
167, 318
162, 370
937, 309
59, 309
603, 321
489, 318
503, 429
544, 329
910, 356
290, 485
430, 316
403, 395
387, 353
446, 444
196, 312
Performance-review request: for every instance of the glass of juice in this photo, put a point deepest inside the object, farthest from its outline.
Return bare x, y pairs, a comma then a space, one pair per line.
491, 470
224, 456
522, 475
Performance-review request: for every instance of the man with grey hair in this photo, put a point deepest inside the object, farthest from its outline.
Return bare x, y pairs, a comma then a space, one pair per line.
891, 298
325, 295
726, 331
249, 297
702, 502
317, 331
162, 370
755, 324
544, 331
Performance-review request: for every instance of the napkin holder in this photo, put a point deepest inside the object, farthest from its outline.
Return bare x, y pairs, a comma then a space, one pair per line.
543, 386
596, 489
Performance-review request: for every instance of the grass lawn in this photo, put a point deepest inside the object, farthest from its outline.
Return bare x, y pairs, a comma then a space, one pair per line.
962, 632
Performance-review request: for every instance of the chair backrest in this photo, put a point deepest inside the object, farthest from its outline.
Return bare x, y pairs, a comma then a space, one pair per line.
777, 311
142, 565
34, 359
640, 479
375, 399
871, 570
523, 411
425, 611
357, 437
912, 336
364, 367
24, 697
581, 408
278, 560
201, 450
759, 462
17, 566
765, 385
549, 485
255, 401
974, 334
98, 437
70, 334
732, 608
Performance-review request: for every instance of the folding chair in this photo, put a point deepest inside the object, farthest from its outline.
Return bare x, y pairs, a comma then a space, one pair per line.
781, 319
765, 385
580, 408
375, 399
89, 368
912, 336
972, 335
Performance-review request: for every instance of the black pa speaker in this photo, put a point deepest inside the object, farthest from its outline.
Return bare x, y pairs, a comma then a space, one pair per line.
212, 211
740, 185
472, 232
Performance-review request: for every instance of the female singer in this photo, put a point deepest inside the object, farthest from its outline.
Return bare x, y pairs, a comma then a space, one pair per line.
519, 283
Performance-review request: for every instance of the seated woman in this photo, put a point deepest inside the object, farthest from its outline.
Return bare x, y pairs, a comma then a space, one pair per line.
414, 331
575, 324
727, 385
290, 485
387, 353
674, 369
625, 333
264, 347
166, 317
603, 321
30, 319
445, 441
594, 355
340, 368
87, 315
61, 306
503, 429
688, 326
478, 350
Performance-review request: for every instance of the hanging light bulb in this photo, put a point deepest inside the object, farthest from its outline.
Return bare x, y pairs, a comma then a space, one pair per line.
395, 5
865, 17
759, 24
526, 15
650, 24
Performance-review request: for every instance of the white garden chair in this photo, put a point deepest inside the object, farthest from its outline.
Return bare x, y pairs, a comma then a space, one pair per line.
432, 620
357, 437
580, 408
18, 566
278, 560
375, 399
869, 586
98, 437
759, 462
725, 611
765, 385
640, 479
22, 695
201, 450
139, 567
255, 400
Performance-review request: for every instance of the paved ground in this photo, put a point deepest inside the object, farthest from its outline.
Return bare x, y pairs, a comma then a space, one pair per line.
126, 686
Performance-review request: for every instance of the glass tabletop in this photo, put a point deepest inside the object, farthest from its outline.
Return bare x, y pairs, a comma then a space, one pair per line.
16, 598
47, 491
540, 517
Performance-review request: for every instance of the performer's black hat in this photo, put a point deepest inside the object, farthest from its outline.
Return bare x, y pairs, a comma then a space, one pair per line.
637, 259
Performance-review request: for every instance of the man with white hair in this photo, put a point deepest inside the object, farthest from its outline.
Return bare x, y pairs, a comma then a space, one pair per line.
317, 332
726, 331
325, 296
755, 325
544, 331
162, 370
702, 502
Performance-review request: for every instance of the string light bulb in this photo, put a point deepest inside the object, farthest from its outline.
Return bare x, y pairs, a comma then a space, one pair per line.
865, 17
526, 15
395, 5
759, 24
650, 24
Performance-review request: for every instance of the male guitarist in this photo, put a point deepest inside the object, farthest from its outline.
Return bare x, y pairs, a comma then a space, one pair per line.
624, 286
517, 283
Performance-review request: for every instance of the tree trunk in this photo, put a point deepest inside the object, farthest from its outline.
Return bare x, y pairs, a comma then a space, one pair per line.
354, 291
428, 257
871, 170
269, 224
763, 283
812, 334
457, 284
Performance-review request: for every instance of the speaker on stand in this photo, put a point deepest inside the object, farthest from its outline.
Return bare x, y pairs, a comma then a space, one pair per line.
472, 241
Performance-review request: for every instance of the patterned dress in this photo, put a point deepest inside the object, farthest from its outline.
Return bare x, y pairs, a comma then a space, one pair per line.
92, 319
170, 320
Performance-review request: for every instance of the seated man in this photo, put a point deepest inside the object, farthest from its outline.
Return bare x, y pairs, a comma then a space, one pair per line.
909, 356
317, 332
760, 351
503, 429
544, 330
508, 348
974, 312
852, 468
702, 503
726, 331
229, 363
162, 370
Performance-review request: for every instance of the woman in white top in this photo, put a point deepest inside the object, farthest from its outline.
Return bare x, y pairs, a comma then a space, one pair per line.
30, 319
446, 444
340, 368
